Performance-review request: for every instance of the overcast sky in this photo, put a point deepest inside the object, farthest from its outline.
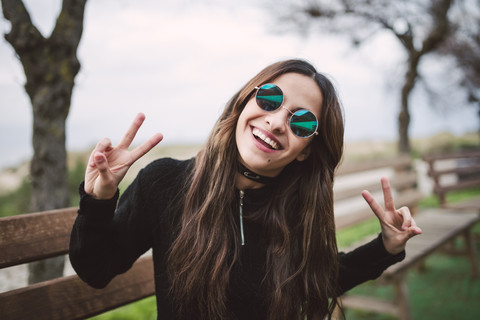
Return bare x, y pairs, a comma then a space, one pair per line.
180, 63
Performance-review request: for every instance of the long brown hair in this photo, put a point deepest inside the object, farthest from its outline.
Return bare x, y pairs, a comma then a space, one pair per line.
302, 258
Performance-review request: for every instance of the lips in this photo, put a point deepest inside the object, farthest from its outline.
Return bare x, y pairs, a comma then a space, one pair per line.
267, 141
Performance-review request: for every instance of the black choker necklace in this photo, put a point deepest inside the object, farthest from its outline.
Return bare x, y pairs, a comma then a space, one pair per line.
247, 173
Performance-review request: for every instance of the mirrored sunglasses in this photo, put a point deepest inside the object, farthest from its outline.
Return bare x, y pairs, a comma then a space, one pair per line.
303, 123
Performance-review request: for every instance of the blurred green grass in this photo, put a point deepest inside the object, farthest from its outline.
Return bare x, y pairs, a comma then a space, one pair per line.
144, 309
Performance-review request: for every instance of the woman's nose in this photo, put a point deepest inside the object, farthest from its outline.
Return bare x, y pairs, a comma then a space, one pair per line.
277, 120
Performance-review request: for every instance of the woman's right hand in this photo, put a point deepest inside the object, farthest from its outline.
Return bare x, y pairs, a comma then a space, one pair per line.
108, 165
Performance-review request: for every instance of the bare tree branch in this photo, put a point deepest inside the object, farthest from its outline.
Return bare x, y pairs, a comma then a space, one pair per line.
23, 34
425, 26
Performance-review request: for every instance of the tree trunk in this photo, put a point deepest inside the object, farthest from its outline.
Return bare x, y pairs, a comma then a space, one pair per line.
479, 123
411, 75
50, 66
436, 35
48, 168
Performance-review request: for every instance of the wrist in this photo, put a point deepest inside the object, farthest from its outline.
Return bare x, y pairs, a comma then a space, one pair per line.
99, 192
105, 196
392, 247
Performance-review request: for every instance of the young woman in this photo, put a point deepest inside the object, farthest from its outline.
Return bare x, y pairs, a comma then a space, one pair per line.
245, 230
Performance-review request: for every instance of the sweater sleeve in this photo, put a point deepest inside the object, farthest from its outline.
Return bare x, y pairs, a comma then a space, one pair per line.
106, 239
366, 262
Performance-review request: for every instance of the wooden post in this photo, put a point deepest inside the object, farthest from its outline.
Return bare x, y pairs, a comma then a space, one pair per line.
472, 255
401, 298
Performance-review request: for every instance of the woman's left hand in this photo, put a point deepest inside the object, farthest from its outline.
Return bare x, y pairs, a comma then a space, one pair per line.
397, 225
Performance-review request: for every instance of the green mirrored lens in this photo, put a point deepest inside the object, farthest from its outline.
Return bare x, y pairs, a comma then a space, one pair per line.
303, 123
269, 97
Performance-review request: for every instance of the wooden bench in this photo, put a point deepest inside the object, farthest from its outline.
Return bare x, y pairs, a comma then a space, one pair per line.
33, 237
36, 236
452, 172
439, 226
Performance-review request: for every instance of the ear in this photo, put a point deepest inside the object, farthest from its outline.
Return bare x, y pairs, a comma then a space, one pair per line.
304, 154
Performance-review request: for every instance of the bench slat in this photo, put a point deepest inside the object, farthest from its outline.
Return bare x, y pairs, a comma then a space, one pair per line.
70, 298
355, 192
461, 170
458, 186
459, 155
399, 182
397, 163
35, 236
470, 204
344, 221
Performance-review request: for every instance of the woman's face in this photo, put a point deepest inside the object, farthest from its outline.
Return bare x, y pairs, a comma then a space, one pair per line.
265, 142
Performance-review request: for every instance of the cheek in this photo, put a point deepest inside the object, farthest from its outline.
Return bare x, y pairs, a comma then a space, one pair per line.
247, 113
240, 124
240, 127
301, 146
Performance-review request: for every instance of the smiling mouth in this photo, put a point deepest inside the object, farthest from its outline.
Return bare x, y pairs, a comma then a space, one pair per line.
260, 136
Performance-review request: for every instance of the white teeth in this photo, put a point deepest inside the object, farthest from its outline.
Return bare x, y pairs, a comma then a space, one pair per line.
267, 140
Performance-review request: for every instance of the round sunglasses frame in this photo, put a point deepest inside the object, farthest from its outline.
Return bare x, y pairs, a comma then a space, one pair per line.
280, 105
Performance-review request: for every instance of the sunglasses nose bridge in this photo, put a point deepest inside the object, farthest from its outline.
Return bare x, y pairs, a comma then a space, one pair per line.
288, 110
285, 117
277, 120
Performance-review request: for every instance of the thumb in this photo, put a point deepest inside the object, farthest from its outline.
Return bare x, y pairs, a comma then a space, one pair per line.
415, 231
412, 232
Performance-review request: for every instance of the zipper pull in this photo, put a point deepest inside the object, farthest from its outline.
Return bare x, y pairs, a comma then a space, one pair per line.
241, 217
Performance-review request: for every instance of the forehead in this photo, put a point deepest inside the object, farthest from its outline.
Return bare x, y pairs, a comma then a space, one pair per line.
300, 91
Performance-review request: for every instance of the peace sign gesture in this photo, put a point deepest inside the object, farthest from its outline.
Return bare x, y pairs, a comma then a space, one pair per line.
397, 225
108, 165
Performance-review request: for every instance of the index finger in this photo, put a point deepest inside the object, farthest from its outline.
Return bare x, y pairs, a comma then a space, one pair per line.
374, 205
387, 195
132, 131
141, 150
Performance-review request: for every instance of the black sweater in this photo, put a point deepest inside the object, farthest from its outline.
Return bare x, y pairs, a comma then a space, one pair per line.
107, 239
